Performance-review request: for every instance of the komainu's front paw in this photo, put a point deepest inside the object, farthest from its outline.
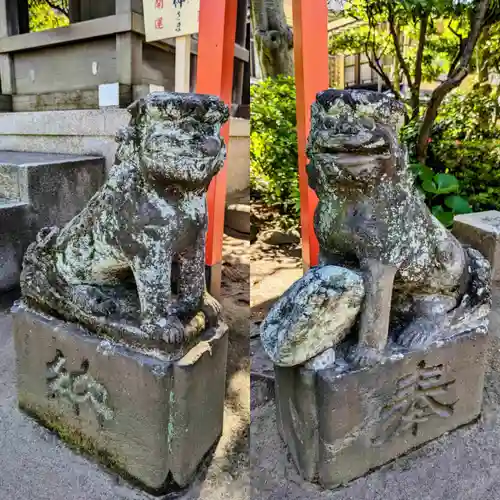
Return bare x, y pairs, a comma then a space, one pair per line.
211, 309
417, 335
363, 356
170, 330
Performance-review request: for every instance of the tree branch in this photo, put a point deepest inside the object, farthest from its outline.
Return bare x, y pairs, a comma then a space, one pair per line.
475, 32
60, 9
460, 37
424, 22
397, 46
455, 61
415, 88
377, 67
455, 78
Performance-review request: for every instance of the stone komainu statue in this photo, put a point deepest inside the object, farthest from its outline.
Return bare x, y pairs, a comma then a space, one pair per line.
388, 269
110, 268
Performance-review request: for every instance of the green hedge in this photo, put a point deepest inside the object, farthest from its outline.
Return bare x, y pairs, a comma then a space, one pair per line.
273, 145
476, 165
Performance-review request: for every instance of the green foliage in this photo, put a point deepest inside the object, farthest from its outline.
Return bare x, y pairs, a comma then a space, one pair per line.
441, 43
407, 10
44, 17
440, 191
273, 145
470, 115
491, 48
464, 144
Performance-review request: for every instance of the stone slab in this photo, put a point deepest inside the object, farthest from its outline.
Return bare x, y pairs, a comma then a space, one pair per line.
338, 426
15, 230
92, 131
9, 182
151, 419
38, 190
83, 122
237, 217
60, 186
481, 230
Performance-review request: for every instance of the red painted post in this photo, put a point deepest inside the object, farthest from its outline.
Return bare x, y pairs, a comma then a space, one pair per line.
310, 27
215, 76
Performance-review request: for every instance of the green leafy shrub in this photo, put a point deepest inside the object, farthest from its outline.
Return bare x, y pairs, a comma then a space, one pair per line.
273, 145
440, 191
476, 164
465, 143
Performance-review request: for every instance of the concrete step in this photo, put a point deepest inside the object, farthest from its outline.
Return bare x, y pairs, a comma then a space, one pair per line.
14, 224
237, 218
21, 172
38, 190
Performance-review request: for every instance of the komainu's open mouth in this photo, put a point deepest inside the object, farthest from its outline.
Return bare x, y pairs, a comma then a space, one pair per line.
356, 139
363, 143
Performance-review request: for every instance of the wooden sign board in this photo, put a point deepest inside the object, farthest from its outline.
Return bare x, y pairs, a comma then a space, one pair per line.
170, 18
336, 5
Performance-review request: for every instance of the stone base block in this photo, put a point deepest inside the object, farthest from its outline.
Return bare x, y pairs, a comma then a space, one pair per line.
339, 426
149, 418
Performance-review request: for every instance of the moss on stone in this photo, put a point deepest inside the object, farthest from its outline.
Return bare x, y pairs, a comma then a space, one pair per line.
71, 435
87, 446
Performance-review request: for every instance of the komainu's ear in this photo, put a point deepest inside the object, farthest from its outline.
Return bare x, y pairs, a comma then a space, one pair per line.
135, 108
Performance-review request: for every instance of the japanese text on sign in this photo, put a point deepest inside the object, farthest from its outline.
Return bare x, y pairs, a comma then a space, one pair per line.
170, 18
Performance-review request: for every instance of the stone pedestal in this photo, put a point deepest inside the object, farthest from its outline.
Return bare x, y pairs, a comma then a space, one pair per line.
339, 426
147, 417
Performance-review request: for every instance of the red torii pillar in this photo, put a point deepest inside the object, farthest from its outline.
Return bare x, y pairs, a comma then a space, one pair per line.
310, 27
217, 33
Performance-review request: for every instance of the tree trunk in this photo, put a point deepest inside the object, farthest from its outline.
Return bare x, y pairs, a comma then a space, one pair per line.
396, 66
455, 78
483, 57
417, 81
273, 37
431, 112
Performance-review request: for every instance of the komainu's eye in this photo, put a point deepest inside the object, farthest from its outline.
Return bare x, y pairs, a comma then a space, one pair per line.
329, 122
187, 127
367, 122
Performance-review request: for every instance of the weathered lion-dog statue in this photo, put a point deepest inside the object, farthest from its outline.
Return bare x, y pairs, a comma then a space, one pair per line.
110, 268
389, 270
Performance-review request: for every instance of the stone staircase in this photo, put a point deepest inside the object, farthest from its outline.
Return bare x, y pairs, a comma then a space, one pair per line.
38, 190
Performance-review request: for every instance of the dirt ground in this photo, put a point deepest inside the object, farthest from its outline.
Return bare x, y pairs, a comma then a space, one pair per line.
273, 270
227, 476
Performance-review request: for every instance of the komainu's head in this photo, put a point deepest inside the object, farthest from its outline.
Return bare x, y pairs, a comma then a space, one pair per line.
175, 138
354, 137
